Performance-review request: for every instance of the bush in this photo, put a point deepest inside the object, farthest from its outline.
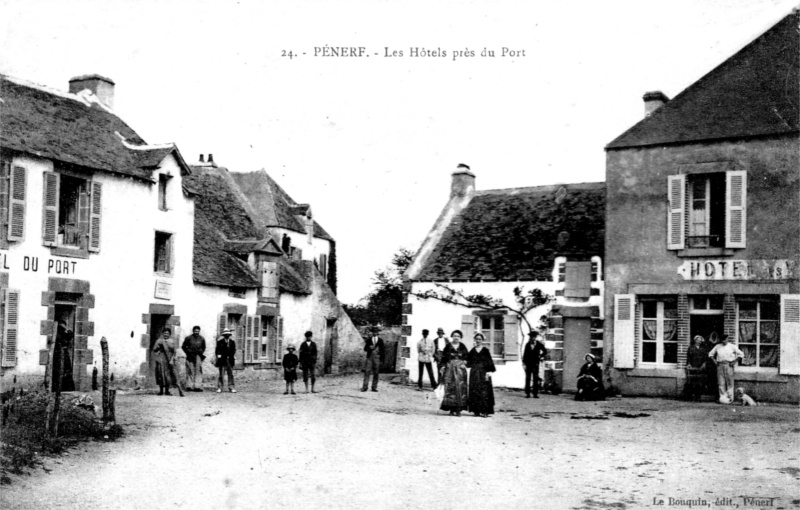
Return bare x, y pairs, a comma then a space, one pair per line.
24, 437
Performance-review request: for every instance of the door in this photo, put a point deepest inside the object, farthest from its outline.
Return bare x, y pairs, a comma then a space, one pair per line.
710, 328
331, 341
157, 324
577, 343
65, 340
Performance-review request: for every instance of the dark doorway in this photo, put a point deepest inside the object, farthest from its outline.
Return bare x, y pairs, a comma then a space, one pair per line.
65, 306
157, 324
577, 343
331, 344
705, 325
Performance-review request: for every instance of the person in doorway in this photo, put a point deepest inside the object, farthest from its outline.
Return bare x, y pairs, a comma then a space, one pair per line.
454, 359
725, 355
425, 351
696, 360
226, 359
373, 346
164, 353
590, 381
65, 343
290, 362
439, 344
308, 360
481, 393
194, 346
533, 354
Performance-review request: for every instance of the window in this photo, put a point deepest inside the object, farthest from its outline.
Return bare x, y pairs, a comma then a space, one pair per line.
562, 271
659, 331
707, 210
494, 331
162, 191
758, 331
269, 280
162, 259
323, 265
269, 340
72, 211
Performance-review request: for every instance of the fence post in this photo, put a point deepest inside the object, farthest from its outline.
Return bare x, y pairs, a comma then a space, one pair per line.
104, 348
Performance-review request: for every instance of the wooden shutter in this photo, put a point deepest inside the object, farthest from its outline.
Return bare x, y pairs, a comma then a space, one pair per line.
279, 343
468, 328
676, 189
256, 337
241, 342
95, 212
735, 209
323, 265
11, 327
248, 349
5, 169
511, 326
624, 324
16, 204
222, 323
790, 334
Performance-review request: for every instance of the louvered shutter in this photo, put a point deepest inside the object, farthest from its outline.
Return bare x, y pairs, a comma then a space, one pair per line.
251, 340
279, 343
468, 328
624, 324
222, 323
240, 339
5, 169
735, 209
256, 337
11, 327
676, 188
16, 204
790, 334
95, 212
511, 326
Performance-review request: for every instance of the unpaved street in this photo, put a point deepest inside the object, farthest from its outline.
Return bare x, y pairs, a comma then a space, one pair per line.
345, 449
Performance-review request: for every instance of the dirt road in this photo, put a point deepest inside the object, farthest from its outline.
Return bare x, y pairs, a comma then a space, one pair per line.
342, 448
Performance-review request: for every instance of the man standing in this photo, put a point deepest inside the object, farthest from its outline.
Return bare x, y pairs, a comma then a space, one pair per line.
374, 348
425, 351
533, 354
725, 354
439, 343
226, 358
308, 360
194, 346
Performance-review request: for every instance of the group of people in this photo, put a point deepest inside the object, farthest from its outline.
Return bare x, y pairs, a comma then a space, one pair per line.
472, 392
708, 361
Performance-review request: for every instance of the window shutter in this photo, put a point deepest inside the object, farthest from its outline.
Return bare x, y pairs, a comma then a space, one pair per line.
222, 323
735, 209
248, 340
241, 341
16, 204
96, 209
676, 188
256, 337
11, 327
279, 343
624, 324
511, 326
790, 334
5, 169
468, 328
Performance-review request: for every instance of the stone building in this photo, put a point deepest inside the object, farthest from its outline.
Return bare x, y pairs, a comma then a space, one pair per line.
702, 225
491, 242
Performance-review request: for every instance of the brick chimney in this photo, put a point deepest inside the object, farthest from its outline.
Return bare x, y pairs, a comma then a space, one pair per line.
100, 86
653, 101
463, 184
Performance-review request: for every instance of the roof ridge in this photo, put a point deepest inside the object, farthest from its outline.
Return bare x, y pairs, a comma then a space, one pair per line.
544, 188
44, 88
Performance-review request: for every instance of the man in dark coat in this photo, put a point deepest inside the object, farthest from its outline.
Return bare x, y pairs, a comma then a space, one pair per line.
375, 350
226, 359
533, 354
308, 360
194, 346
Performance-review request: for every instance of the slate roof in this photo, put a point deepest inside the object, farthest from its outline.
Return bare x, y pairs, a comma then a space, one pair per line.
271, 205
515, 234
63, 127
756, 92
223, 229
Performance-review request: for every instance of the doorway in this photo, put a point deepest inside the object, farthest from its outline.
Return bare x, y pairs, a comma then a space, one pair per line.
65, 308
157, 324
706, 326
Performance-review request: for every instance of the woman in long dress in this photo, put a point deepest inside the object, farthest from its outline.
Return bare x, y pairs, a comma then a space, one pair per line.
164, 352
454, 359
481, 393
590, 381
696, 359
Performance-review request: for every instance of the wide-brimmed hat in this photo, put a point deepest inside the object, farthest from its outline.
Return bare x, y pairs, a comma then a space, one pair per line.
227, 331
290, 347
375, 329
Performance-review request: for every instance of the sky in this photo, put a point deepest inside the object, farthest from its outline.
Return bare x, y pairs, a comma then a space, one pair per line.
370, 141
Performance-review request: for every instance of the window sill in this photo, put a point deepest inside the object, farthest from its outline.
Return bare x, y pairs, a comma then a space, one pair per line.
163, 275
706, 252
63, 251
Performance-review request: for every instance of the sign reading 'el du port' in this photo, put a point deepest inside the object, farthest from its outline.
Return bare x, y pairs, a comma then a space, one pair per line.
780, 269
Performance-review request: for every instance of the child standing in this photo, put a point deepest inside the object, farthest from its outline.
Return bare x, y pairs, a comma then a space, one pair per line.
290, 362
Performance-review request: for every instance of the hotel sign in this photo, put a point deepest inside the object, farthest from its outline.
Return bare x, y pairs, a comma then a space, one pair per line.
780, 269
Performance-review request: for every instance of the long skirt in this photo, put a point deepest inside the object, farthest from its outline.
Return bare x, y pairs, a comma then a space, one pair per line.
455, 386
590, 390
165, 376
481, 393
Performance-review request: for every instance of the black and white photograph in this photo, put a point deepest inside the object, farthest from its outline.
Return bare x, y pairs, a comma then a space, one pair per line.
395, 254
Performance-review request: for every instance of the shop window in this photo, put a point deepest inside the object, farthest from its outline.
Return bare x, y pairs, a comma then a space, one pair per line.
71, 212
162, 258
758, 332
493, 330
659, 331
707, 210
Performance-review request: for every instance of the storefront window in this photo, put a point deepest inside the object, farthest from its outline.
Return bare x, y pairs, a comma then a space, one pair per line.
659, 331
758, 332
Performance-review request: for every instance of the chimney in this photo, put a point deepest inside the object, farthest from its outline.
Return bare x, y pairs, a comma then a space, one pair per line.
211, 160
100, 86
653, 101
463, 184
201, 159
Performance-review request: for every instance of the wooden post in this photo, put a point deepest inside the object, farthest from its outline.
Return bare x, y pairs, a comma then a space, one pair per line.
53, 386
104, 348
112, 410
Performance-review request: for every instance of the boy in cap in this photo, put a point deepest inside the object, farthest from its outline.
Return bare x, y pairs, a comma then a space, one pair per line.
226, 358
289, 363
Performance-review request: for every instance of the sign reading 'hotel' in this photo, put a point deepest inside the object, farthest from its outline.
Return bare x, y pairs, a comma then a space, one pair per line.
738, 269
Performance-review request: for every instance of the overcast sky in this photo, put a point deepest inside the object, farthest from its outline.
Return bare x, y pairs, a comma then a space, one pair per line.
370, 142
